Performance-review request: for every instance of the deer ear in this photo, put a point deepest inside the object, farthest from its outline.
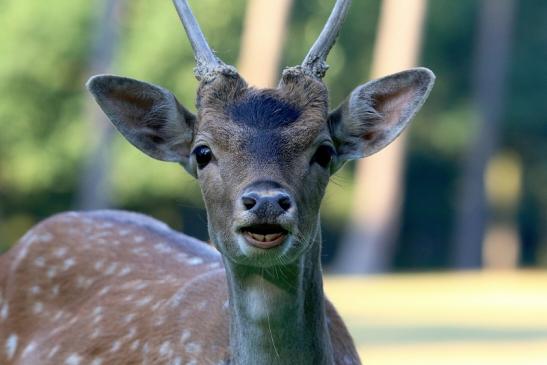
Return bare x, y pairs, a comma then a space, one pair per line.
148, 116
375, 113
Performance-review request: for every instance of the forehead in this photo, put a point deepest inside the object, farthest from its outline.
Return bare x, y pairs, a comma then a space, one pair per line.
265, 123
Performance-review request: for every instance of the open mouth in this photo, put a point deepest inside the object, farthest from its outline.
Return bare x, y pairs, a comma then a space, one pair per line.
264, 235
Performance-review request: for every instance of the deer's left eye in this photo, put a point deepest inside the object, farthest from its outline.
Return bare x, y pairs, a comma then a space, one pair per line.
323, 155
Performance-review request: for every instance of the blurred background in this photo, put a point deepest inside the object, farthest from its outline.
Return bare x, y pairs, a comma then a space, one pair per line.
465, 187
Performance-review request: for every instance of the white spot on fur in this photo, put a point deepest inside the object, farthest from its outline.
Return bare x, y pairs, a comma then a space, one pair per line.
134, 345
162, 247
111, 268
176, 361
96, 333
52, 352
40, 261
116, 346
201, 305
35, 290
144, 301
129, 317
73, 359
38, 308
11, 346
58, 315
124, 232
60, 251
138, 239
51, 272
185, 336
68, 263
193, 348
98, 265
97, 361
125, 271
4, 312
30, 347
138, 251
194, 261
165, 348
104, 290
55, 290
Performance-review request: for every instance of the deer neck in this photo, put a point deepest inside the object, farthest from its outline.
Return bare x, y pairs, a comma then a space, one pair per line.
278, 313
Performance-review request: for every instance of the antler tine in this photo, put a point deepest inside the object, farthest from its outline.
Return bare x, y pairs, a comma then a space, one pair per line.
206, 61
315, 61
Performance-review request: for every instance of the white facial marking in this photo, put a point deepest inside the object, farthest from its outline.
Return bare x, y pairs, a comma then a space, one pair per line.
30, 347
11, 346
73, 359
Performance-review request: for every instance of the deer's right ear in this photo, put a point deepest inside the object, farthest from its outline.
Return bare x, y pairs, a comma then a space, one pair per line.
148, 116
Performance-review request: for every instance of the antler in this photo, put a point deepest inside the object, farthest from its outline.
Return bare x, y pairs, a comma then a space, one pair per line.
315, 61
207, 63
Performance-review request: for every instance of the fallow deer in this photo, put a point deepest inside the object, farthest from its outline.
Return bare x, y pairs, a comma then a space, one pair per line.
112, 287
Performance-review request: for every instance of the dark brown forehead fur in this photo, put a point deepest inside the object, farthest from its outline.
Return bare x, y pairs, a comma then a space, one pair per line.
296, 111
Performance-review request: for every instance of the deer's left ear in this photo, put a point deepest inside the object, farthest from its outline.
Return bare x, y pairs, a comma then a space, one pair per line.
148, 116
375, 113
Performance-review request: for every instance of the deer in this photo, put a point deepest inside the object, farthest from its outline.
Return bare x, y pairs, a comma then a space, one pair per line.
114, 287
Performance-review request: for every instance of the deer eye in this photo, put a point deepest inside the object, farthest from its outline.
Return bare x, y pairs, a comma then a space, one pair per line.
203, 156
323, 155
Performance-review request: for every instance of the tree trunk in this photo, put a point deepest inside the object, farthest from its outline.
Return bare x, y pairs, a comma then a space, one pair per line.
369, 244
262, 41
492, 51
94, 191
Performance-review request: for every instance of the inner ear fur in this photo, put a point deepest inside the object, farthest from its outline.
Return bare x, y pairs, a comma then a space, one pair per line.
375, 113
148, 116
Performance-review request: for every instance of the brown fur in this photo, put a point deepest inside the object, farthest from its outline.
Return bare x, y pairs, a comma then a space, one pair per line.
155, 296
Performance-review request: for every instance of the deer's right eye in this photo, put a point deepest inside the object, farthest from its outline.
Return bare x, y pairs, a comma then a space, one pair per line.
203, 156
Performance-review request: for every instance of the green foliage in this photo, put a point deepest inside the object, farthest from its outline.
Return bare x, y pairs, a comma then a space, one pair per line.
45, 133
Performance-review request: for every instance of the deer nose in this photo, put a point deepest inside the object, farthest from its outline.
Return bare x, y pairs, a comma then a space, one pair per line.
266, 203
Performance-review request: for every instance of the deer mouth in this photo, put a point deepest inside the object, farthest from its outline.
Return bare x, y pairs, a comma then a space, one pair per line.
264, 235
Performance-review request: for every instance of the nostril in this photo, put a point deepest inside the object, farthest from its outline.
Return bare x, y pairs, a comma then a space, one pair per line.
285, 203
248, 202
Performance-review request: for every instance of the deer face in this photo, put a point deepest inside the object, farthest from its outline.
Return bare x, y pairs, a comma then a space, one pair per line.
262, 157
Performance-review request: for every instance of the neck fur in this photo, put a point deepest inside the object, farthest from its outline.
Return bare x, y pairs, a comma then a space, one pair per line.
278, 313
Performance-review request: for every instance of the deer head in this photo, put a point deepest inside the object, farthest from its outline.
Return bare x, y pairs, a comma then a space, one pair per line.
263, 157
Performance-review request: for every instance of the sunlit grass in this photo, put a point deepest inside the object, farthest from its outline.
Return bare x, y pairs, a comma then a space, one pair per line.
464, 318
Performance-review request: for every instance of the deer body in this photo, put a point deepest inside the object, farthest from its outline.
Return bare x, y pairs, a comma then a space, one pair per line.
119, 288
112, 287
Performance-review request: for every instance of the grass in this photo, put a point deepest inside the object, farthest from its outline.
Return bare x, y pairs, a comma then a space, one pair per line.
450, 318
